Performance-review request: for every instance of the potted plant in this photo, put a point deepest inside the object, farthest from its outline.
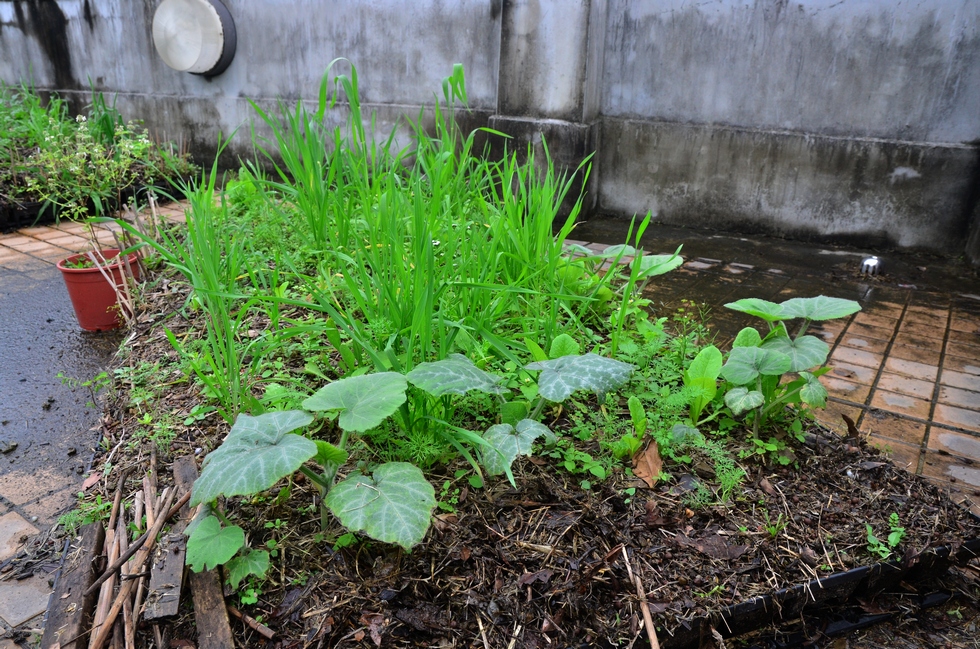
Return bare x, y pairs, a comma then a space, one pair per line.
99, 287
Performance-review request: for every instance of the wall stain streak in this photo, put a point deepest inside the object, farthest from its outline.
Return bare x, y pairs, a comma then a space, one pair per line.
50, 28
89, 18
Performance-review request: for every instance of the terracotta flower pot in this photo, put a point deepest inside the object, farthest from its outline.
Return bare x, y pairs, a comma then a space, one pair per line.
92, 297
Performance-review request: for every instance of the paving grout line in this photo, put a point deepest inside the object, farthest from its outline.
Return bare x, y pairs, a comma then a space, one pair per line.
884, 360
935, 391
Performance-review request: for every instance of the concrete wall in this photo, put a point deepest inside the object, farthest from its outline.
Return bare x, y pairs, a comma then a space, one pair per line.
852, 120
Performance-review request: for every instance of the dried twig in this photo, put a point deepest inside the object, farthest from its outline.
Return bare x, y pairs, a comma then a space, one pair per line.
644, 607
252, 623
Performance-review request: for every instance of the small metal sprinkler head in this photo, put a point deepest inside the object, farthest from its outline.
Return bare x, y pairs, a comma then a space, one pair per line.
871, 266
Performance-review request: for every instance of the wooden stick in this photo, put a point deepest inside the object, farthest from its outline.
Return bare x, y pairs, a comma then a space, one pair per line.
644, 607
126, 589
254, 624
128, 625
105, 594
138, 543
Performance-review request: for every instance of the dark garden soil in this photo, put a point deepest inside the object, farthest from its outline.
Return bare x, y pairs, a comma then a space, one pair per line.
548, 564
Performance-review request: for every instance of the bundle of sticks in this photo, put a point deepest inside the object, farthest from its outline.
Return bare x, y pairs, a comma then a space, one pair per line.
123, 584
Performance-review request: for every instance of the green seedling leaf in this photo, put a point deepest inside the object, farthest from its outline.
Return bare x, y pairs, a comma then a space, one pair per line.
683, 433
741, 400
745, 364
258, 452
536, 352
563, 345
707, 364
813, 393
255, 563
563, 376
211, 545
818, 308
507, 442
327, 453
747, 337
577, 249
393, 504
638, 415
617, 250
363, 401
653, 265
512, 412
804, 352
454, 374
768, 311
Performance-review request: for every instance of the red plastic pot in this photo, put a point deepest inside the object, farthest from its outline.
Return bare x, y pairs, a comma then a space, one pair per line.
92, 297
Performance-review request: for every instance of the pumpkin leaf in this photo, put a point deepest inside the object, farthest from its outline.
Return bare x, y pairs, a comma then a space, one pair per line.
255, 563
742, 399
327, 453
813, 393
745, 364
768, 311
563, 345
804, 352
258, 452
818, 308
560, 377
393, 504
363, 401
454, 374
747, 337
211, 545
653, 265
506, 442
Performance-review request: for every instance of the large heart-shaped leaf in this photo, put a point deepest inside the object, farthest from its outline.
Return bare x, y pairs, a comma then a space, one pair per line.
742, 399
562, 376
653, 265
255, 562
745, 364
747, 337
211, 545
258, 452
454, 374
813, 393
818, 308
393, 504
506, 442
363, 401
804, 352
617, 250
768, 311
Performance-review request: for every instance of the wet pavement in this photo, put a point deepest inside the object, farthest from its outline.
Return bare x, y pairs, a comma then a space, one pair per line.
906, 369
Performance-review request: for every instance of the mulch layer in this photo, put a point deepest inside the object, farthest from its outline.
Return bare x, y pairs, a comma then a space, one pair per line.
547, 564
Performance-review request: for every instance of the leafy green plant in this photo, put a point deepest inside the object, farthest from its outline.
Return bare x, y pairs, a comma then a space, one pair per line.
756, 365
774, 527
895, 536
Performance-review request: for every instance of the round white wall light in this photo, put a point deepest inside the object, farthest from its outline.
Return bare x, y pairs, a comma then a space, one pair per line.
196, 36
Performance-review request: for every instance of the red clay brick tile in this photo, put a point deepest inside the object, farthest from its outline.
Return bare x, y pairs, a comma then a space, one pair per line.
915, 354
964, 322
70, 242
963, 351
866, 344
46, 234
959, 398
912, 368
831, 415
843, 389
887, 310
901, 403
906, 385
856, 373
922, 310
919, 342
885, 424
856, 357
34, 231
965, 338
14, 240
966, 365
876, 320
33, 247
925, 319
954, 443
952, 469
959, 417
867, 331
919, 330
905, 456
962, 380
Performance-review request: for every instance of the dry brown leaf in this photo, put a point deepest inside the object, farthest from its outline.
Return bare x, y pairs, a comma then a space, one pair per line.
647, 464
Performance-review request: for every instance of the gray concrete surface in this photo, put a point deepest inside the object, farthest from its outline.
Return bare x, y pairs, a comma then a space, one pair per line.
830, 119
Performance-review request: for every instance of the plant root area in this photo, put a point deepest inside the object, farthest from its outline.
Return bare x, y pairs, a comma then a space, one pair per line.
548, 564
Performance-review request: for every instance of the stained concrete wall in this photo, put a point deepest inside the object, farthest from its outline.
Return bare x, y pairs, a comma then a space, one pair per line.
824, 119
